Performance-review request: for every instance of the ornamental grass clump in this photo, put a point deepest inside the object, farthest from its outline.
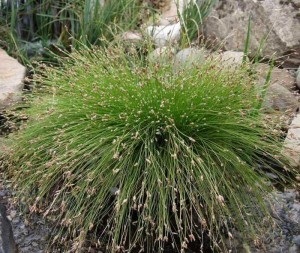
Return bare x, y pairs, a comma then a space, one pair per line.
137, 156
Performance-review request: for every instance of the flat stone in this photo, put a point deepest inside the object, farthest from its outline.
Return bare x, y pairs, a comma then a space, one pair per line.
12, 74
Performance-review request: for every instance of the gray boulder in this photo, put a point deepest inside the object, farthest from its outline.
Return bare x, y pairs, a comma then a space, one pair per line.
7, 242
276, 19
12, 74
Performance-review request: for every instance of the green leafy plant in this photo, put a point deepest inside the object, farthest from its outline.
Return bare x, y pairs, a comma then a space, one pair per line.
138, 156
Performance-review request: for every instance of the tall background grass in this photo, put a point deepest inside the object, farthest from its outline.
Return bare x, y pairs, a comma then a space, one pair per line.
27, 26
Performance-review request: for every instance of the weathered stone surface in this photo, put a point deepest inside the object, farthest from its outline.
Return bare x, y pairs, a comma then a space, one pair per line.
12, 74
188, 57
276, 19
280, 76
162, 55
231, 58
7, 242
279, 98
292, 143
164, 35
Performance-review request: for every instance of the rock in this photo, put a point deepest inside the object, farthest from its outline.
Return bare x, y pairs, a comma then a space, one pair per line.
294, 249
7, 242
170, 13
279, 98
164, 35
279, 236
163, 55
298, 78
280, 76
279, 20
12, 74
292, 142
132, 41
188, 57
231, 58
131, 37
296, 240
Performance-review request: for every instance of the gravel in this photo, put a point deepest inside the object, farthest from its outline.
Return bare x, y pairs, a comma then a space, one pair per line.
30, 234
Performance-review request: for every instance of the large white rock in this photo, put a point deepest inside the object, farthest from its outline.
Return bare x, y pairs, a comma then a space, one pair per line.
276, 21
292, 142
164, 35
12, 74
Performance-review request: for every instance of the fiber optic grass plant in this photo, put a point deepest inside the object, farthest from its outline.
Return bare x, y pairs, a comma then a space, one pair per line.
138, 156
